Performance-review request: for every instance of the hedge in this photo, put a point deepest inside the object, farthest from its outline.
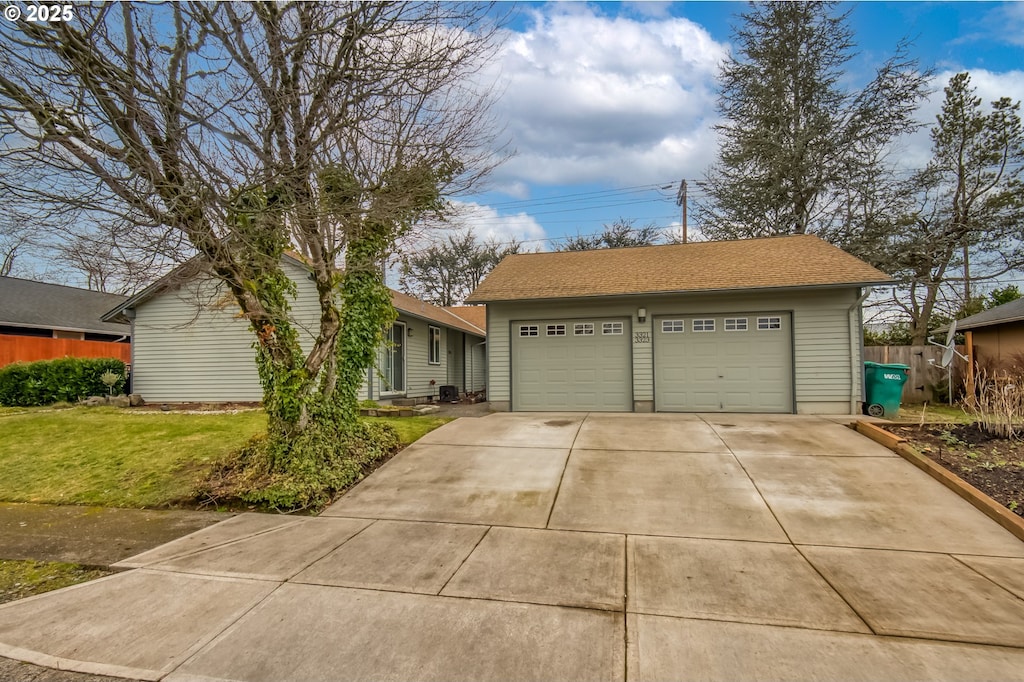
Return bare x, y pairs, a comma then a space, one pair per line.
25, 384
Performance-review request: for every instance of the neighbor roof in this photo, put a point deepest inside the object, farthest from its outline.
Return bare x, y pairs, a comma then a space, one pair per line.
1007, 312
39, 305
770, 263
476, 315
402, 302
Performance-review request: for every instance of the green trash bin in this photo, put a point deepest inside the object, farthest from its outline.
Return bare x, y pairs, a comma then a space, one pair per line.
884, 387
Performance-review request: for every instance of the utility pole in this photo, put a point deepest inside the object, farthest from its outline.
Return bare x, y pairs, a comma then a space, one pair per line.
681, 201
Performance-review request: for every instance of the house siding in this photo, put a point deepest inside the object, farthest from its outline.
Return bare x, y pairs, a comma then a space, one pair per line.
190, 345
825, 339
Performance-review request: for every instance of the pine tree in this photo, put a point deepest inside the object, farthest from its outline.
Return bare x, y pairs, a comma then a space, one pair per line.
795, 145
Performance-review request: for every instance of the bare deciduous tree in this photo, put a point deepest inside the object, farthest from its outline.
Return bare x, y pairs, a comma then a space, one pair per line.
245, 129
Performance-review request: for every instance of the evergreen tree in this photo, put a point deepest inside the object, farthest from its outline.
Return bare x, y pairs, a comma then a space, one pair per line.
798, 150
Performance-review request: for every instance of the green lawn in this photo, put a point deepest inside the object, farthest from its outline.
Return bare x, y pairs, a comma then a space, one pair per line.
20, 579
118, 458
934, 412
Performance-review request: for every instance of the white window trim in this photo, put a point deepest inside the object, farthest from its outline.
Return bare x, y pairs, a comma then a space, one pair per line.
583, 329
735, 321
554, 330
530, 329
703, 326
433, 339
680, 330
613, 328
767, 323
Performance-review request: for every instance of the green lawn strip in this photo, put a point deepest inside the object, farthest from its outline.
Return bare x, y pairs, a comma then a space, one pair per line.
116, 458
20, 579
109, 457
933, 412
411, 429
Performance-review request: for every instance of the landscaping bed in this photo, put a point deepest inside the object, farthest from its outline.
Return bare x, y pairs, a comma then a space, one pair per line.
993, 465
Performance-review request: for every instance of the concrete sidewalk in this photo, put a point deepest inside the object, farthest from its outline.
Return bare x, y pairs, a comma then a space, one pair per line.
571, 546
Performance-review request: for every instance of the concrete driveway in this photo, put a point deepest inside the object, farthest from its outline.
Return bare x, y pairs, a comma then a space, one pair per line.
573, 546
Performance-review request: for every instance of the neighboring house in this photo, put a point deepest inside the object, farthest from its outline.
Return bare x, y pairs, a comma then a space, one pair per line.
40, 321
764, 325
995, 336
192, 345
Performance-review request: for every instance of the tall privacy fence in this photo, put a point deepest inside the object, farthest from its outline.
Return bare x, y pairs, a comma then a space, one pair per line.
927, 379
32, 348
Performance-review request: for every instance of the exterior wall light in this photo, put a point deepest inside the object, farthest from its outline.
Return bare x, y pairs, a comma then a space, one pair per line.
641, 314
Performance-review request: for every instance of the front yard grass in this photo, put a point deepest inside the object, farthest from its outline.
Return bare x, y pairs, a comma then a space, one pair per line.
20, 579
125, 458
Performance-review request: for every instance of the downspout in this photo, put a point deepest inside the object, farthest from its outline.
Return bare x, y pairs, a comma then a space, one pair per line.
855, 365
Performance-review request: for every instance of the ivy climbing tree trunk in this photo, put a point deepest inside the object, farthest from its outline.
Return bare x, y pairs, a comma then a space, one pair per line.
246, 129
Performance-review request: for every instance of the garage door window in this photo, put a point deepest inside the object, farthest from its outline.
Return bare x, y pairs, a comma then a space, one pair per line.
611, 328
583, 329
735, 324
672, 326
528, 330
769, 323
556, 330
704, 325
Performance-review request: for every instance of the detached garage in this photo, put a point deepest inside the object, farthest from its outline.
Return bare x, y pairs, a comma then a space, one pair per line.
762, 325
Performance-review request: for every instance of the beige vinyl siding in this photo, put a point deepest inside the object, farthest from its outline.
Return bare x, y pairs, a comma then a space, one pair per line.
824, 341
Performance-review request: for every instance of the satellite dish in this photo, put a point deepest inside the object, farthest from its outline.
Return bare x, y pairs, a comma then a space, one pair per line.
947, 355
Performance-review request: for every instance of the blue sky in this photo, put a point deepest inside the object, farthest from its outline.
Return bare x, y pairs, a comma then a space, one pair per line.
609, 105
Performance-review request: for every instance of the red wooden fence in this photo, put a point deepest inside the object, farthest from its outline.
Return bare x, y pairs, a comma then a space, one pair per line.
31, 348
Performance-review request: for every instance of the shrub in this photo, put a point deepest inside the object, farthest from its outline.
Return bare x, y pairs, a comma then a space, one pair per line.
26, 384
327, 461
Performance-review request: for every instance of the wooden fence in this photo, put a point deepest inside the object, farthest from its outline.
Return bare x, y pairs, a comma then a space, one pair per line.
924, 375
32, 348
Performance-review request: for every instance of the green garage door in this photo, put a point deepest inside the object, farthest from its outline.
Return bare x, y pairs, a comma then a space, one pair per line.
572, 365
739, 362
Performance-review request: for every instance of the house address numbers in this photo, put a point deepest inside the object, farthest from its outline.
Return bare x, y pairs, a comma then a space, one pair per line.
641, 337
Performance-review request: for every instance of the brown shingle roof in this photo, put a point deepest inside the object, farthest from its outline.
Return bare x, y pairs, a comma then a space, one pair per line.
405, 303
775, 262
474, 314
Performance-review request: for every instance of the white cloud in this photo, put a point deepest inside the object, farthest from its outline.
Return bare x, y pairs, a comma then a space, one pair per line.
591, 98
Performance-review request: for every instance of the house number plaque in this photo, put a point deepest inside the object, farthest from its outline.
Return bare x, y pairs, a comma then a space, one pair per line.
641, 337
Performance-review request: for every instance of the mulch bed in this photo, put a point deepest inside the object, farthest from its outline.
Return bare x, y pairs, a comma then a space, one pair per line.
993, 465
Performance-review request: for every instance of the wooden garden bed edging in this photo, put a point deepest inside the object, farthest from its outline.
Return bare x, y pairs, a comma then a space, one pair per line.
995, 511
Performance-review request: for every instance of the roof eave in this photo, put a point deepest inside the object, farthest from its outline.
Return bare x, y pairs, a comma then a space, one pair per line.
474, 329
689, 292
960, 327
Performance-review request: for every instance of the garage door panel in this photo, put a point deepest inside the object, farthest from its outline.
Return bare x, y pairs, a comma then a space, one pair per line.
725, 370
571, 372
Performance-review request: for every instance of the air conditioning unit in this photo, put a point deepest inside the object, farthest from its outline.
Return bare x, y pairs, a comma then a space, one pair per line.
449, 394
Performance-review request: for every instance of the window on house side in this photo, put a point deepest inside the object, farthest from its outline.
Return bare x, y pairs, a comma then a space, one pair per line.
434, 348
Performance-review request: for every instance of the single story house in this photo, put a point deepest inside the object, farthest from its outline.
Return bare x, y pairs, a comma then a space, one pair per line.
761, 325
42, 321
995, 337
192, 345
